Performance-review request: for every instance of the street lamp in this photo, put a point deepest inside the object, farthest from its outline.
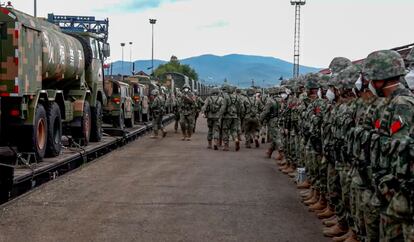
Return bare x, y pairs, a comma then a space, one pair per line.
35, 8
152, 22
122, 46
130, 56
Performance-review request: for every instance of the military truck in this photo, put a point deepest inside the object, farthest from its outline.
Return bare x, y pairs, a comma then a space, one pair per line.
119, 109
138, 93
51, 81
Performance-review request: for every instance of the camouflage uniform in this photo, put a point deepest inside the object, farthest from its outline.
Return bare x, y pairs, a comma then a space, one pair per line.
187, 105
251, 121
158, 111
211, 110
230, 109
392, 146
270, 115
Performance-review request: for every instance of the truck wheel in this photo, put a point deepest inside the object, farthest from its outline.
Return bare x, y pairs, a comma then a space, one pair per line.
83, 133
118, 121
129, 123
97, 120
34, 139
54, 128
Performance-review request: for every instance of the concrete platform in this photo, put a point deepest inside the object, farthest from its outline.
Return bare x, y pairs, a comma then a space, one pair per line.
165, 190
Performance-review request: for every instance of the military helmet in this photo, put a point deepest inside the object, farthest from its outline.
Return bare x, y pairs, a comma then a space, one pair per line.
383, 64
312, 81
338, 64
348, 77
186, 86
250, 92
215, 91
155, 92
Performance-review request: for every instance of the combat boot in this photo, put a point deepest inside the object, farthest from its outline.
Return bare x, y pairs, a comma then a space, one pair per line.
352, 238
279, 156
256, 142
283, 166
288, 170
310, 195
237, 145
320, 205
189, 134
269, 153
226, 147
263, 141
313, 200
304, 185
248, 145
327, 213
335, 231
164, 134
210, 145
329, 222
305, 193
154, 135
344, 237
216, 144
293, 174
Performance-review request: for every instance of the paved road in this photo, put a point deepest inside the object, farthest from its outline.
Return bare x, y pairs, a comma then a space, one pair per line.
165, 190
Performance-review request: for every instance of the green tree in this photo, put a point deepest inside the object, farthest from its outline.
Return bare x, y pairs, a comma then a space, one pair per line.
175, 66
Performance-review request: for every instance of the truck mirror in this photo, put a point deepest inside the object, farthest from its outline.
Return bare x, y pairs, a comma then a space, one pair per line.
106, 50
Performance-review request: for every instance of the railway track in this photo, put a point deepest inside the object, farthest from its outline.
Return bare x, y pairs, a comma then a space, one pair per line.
16, 177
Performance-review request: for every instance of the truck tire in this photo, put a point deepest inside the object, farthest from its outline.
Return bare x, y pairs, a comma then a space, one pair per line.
129, 122
34, 138
97, 120
54, 128
83, 133
119, 121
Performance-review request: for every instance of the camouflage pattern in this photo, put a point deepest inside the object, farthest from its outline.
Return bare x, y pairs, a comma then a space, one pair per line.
271, 115
187, 105
251, 119
230, 110
383, 64
158, 109
338, 64
211, 109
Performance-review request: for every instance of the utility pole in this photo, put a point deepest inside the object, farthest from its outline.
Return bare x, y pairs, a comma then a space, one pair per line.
152, 22
130, 56
296, 55
35, 8
122, 65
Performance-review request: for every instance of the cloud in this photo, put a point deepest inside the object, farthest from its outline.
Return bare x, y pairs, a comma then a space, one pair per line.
131, 6
217, 24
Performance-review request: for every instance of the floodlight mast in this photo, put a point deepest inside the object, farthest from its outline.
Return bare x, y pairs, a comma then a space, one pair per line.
296, 51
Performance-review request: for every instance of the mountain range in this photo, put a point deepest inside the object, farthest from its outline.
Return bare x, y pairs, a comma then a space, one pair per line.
241, 70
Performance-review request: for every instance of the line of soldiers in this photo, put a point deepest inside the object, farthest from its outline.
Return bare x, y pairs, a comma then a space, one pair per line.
232, 112
186, 108
352, 132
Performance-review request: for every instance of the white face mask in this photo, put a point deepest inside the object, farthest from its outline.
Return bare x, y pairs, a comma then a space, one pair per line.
358, 83
320, 93
330, 95
372, 89
288, 91
410, 79
186, 90
284, 96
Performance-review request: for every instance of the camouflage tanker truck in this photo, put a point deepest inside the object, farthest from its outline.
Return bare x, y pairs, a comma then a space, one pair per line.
51, 83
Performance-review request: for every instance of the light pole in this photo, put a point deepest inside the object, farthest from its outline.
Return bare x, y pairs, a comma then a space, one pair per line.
152, 22
130, 56
35, 8
296, 55
122, 65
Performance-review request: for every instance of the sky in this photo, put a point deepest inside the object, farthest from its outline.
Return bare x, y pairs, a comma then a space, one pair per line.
187, 28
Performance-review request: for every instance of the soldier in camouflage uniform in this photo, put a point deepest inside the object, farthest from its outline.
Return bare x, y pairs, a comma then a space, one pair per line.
211, 111
187, 105
175, 110
392, 146
197, 110
241, 113
230, 109
158, 110
270, 116
251, 119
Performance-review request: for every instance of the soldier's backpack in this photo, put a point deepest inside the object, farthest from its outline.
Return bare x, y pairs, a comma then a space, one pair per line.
215, 106
232, 108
